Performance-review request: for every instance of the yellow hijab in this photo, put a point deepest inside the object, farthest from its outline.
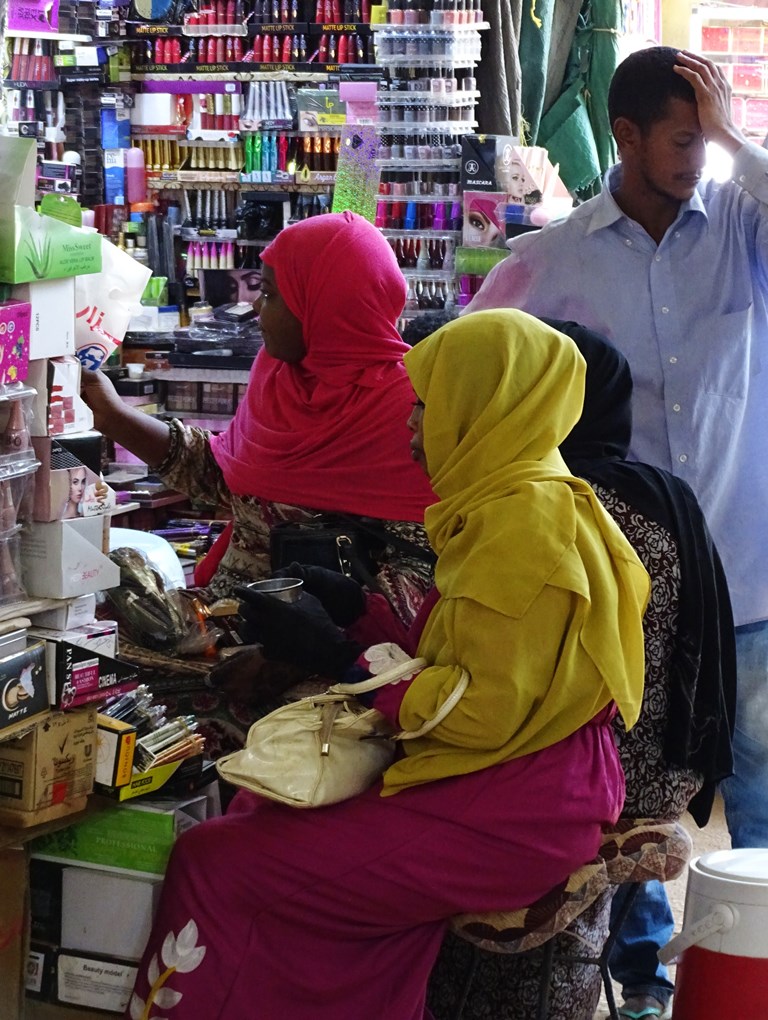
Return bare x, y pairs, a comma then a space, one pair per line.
501, 391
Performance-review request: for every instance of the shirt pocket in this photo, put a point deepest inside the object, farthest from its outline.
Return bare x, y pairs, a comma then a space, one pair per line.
722, 347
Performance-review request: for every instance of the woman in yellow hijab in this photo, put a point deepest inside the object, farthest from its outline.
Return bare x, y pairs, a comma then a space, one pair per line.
338, 913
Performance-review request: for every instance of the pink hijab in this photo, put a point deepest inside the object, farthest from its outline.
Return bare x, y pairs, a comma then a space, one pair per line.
330, 432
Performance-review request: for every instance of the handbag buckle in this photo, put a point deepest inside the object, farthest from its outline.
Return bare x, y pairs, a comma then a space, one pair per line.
344, 553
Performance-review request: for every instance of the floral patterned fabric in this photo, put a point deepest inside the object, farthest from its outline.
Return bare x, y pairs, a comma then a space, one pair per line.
181, 686
190, 467
655, 789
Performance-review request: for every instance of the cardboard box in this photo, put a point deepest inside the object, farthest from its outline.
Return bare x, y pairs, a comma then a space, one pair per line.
64, 559
65, 487
69, 613
13, 926
52, 331
115, 747
95, 982
78, 675
23, 697
49, 772
175, 779
15, 326
88, 927
33, 246
58, 407
137, 838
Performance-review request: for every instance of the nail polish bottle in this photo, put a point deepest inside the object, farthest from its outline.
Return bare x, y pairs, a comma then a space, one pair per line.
15, 438
8, 510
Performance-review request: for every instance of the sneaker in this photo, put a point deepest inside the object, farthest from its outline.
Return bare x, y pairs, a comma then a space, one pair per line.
645, 1007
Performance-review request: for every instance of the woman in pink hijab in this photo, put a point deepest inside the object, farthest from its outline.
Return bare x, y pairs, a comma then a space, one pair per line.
322, 425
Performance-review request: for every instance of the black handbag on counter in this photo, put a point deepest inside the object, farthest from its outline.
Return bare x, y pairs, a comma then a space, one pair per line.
347, 545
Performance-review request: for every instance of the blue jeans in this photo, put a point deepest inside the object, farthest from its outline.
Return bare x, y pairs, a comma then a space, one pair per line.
746, 792
633, 962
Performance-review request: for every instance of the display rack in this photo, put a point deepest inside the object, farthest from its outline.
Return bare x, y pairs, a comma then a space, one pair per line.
736, 38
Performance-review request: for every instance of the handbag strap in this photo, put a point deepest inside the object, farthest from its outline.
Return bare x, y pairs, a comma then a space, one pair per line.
389, 676
447, 706
387, 538
397, 673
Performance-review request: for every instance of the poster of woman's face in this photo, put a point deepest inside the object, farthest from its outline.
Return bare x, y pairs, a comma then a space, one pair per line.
228, 286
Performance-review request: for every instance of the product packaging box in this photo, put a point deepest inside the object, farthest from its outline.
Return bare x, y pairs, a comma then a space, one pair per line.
88, 927
93, 982
65, 487
49, 772
99, 636
23, 695
114, 176
116, 128
115, 747
70, 613
177, 779
58, 407
34, 246
136, 838
64, 559
77, 675
15, 326
13, 925
52, 330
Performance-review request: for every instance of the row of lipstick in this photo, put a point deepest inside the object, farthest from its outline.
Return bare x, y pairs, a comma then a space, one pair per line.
419, 215
275, 12
32, 60
346, 48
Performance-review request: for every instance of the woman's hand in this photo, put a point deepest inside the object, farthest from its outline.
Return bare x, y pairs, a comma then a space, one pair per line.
300, 633
102, 398
341, 596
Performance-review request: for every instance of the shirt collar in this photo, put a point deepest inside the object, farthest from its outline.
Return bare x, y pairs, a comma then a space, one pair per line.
606, 211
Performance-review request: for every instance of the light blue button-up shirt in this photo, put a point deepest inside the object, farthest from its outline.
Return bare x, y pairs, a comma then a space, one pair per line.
690, 316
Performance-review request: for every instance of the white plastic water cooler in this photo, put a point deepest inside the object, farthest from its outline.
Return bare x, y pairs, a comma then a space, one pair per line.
722, 971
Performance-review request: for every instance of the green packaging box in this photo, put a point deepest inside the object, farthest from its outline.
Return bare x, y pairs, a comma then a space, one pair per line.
136, 838
35, 247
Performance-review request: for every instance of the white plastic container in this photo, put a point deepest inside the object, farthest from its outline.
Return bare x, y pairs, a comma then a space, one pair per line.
723, 971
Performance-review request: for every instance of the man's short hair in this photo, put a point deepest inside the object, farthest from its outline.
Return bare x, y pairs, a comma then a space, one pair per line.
643, 84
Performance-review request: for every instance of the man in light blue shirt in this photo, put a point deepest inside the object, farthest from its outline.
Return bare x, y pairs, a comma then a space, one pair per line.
675, 273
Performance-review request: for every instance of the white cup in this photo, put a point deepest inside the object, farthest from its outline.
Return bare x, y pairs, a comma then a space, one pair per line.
135, 370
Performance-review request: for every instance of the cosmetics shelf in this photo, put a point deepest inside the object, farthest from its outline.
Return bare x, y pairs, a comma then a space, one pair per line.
440, 275
416, 233
48, 36
47, 86
358, 27
401, 163
194, 238
462, 97
427, 127
243, 71
139, 30
421, 29
419, 199
427, 63
173, 184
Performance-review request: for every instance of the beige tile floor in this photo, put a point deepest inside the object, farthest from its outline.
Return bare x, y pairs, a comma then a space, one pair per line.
714, 836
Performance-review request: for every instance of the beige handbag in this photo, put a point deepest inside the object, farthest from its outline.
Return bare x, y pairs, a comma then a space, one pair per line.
321, 750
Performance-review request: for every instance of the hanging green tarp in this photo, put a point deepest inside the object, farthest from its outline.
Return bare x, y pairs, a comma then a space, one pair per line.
567, 135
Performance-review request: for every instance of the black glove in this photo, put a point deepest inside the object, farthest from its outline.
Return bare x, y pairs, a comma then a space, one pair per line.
341, 596
300, 632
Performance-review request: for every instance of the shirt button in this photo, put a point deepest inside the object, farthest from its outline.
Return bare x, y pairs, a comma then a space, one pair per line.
673, 360
677, 233
628, 243
742, 178
683, 458
675, 407
665, 309
657, 258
